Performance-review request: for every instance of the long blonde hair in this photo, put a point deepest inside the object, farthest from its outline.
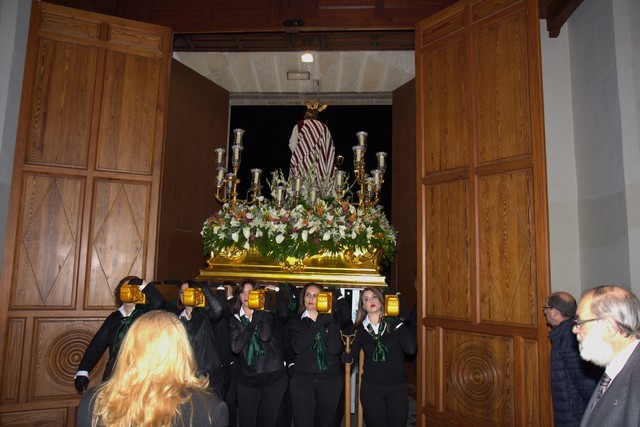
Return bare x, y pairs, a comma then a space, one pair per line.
155, 372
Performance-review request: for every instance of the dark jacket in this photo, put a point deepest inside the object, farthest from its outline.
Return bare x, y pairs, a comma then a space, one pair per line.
572, 379
399, 343
270, 366
302, 334
203, 409
106, 335
618, 406
201, 329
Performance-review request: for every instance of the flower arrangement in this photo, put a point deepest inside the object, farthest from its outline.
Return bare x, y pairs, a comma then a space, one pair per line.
303, 230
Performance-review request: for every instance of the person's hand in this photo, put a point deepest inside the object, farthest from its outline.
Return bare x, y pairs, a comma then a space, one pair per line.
81, 383
392, 321
404, 310
336, 292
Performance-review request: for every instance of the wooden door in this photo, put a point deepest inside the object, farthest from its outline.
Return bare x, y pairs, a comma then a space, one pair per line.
84, 198
482, 217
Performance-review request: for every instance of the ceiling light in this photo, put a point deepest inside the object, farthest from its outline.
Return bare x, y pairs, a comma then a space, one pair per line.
298, 75
306, 57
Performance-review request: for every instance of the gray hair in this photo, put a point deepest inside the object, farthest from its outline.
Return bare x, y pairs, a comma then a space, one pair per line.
621, 305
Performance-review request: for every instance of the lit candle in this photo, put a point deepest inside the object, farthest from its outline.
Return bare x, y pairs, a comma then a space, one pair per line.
382, 161
220, 178
220, 156
237, 149
362, 138
297, 183
255, 174
238, 136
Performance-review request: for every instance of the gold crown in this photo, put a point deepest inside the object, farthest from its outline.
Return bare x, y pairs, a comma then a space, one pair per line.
314, 109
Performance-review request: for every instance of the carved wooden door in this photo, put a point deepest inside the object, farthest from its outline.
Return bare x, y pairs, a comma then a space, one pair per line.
482, 221
84, 198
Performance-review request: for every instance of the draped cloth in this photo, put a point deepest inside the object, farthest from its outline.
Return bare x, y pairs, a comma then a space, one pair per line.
312, 149
255, 348
319, 348
380, 351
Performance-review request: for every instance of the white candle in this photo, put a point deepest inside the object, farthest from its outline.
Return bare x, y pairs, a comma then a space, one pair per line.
357, 154
313, 193
362, 138
297, 183
220, 156
377, 175
238, 136
382, 162
229, 179
237, 149
220, 177
255, 173
279, 195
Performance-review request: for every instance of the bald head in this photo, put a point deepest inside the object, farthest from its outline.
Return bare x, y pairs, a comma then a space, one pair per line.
564, 302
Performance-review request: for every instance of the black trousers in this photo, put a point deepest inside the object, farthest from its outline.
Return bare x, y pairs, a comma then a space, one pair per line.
259, 406
385, 406
315, 401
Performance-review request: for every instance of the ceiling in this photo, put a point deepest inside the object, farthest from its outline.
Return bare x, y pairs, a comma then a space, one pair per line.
360, 77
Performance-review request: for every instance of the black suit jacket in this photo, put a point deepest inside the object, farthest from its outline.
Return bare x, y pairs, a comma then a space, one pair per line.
619, 406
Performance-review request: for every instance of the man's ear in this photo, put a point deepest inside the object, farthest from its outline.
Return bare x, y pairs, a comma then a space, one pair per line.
612, 326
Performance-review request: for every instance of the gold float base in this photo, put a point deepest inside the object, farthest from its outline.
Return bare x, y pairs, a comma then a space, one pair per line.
346, 270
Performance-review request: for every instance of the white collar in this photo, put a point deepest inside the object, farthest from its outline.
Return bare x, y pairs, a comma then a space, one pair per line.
618, 362
366, 322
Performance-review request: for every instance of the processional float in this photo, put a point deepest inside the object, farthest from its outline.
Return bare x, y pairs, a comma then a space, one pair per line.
327, 230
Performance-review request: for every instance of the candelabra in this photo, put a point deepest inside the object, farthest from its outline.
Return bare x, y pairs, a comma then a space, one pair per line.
292, 190
227, 182
370, 185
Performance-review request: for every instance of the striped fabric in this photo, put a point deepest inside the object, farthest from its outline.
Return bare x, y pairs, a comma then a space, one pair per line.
314, 148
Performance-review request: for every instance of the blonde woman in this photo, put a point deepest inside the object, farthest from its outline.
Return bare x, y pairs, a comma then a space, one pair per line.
385, 342
154, 382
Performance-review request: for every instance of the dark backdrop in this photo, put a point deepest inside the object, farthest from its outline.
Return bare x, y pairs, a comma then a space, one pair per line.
268, 128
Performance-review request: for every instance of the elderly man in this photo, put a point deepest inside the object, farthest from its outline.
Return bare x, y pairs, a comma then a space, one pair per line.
608, 326
573, 380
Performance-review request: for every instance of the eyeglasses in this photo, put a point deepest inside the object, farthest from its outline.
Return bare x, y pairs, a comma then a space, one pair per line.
579, 323
546, 307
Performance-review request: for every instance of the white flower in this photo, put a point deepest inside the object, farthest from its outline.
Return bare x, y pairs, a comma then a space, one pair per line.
279, 238
305, 235
235, 236
246, 231
326, 236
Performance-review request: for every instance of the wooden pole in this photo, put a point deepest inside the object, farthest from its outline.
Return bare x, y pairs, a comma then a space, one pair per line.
360, 366
347, 385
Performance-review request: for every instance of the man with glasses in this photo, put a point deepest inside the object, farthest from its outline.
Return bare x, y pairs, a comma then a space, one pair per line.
608, 327
572, 379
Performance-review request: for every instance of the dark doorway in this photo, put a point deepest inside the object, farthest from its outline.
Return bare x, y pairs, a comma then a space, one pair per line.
268, 128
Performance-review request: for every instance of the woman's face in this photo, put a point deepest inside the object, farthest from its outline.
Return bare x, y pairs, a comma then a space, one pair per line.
370, 302
310, 298
244, 295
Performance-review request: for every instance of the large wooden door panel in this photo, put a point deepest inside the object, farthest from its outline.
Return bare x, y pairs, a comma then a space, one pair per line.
83, 211
482, 217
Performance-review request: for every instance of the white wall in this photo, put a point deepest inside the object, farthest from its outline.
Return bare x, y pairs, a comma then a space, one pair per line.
14, 26
598, 191
564, 239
